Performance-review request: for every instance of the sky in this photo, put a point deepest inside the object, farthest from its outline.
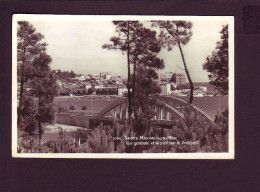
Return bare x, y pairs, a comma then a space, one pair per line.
77, 46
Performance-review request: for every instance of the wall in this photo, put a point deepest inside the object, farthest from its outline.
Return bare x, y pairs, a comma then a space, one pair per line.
80, 120
73, 120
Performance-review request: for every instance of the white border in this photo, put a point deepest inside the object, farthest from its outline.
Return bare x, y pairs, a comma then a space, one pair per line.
51, 18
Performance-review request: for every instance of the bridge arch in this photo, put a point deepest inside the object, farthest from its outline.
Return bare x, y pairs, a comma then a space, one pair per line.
170, 107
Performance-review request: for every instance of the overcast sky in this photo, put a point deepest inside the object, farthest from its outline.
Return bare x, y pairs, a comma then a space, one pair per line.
76, 46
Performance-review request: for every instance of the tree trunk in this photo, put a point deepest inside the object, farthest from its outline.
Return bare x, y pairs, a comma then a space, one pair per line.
187, 73
21, 95
133, 91
40, 131
128, 79
39, 121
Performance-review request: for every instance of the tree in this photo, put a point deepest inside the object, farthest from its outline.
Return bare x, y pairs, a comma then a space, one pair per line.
84, 107
125, 41
144, 55
44, 87
140, 45
61, 108
29, 47
173, 78
28, 113
217, 63
176, 33
91, 90
72, 107
145, 87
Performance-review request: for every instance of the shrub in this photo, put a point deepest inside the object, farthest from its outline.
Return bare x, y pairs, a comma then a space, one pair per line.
207, 137
72, 107
84, 107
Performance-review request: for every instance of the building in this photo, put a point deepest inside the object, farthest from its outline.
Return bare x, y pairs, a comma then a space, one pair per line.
179, 78
80, 78
105, 75
88, 86
166, 76
99, 86
97, 77
202, 88
121, 90
166, 88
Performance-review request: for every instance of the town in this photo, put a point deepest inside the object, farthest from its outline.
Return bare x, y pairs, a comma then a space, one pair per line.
71, 84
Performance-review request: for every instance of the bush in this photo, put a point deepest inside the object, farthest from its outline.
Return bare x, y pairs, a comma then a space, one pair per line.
206, 137
84, 107
72, 107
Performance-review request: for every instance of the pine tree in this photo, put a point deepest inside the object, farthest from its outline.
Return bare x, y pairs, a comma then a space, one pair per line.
217, 63
144, 55
29, 47
125, 42
140, 45
44, 87
176, 33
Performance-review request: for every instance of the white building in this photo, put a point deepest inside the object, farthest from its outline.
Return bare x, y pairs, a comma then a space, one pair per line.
108, 76
121, 90
81, 78
88, 86
99, 86
165, 87
202, 88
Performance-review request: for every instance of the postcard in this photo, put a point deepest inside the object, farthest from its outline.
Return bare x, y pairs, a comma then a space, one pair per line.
123, 87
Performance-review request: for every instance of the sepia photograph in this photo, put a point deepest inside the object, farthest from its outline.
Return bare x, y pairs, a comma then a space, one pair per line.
139, 87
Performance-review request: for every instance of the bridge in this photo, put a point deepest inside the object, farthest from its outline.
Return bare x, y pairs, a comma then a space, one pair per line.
168, 109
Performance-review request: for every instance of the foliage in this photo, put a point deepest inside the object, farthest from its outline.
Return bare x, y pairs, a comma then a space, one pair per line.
192, 132
72, 107
91, 90
28, 112
65, 75
140, 45
62, 109
106, 91
145, 87
176, 33
45, 88
217, 63
29, 47
84, 107
35, 74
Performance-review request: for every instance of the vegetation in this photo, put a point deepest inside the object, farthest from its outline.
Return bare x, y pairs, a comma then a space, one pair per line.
65, 75
176, 33
106, 91
217, 63
72, 107
192, 135
141, 45
84, 107
29, 47
34, 74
